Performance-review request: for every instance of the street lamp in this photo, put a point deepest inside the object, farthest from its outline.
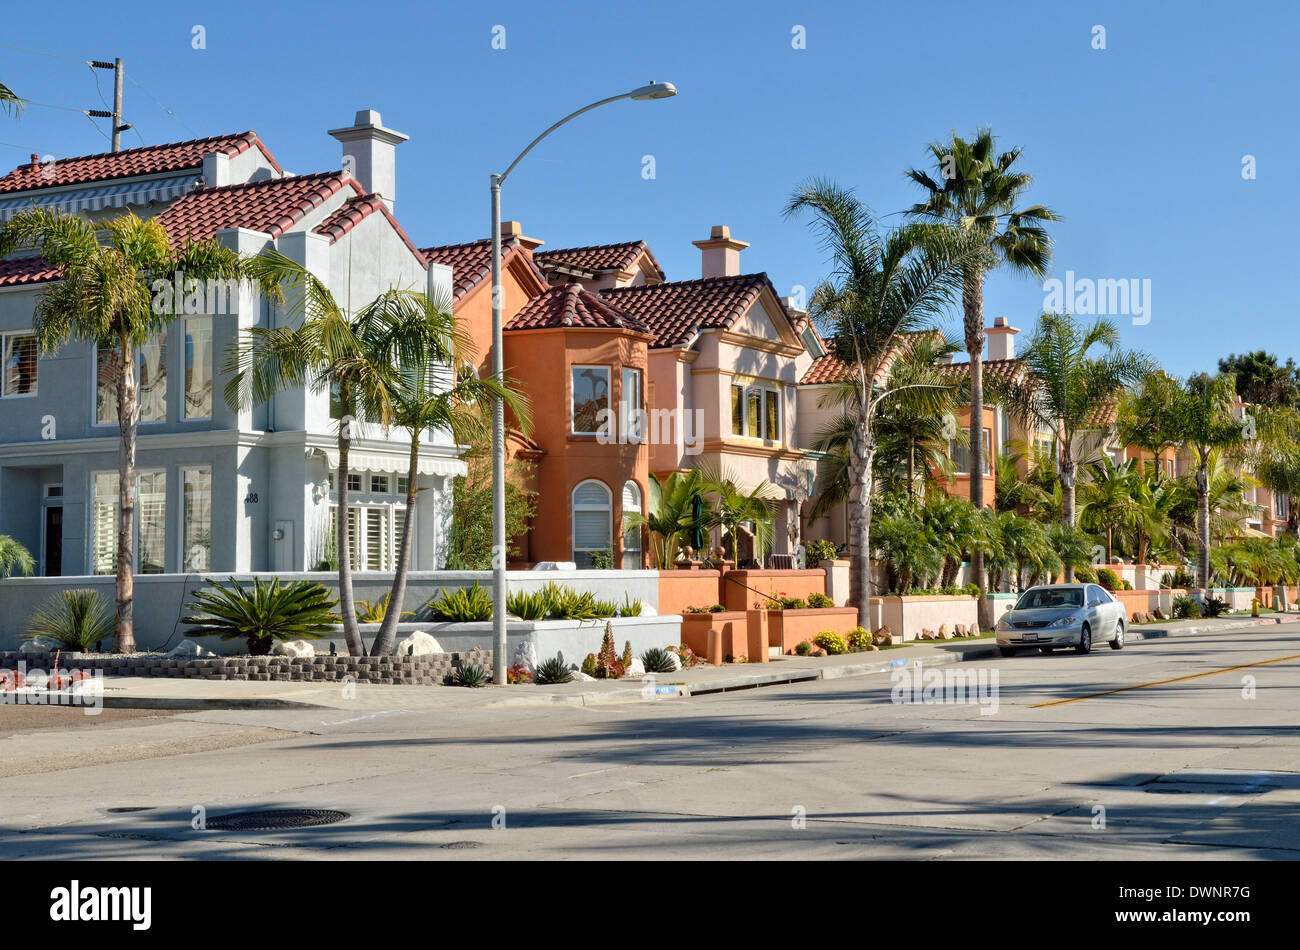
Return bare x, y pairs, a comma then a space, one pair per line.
654, 90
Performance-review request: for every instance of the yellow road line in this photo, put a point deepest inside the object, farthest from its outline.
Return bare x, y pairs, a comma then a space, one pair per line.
1176, 679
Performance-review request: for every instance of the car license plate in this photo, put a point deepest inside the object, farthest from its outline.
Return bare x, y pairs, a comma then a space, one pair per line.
1029, 636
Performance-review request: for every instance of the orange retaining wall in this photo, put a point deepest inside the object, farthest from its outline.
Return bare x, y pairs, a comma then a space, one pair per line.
788, 628
681, 589
770, 583
734, 625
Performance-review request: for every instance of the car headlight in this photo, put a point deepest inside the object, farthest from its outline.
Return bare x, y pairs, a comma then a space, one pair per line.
1065, 621
1005, 623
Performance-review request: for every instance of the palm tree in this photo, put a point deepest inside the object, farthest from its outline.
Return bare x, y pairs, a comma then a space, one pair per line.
1155, 493
1109, 502
1011, 489
672, 517
15, 557
732, 506
417, 334
9, 101
977, 192
881, 286
909, 552
914, 435
1143, 419
952, 523
333, 350
1202, 420
1068, 390
104, 296
1276, 458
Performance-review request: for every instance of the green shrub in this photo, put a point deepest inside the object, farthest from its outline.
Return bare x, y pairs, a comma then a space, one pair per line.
1085, 575
374, 613
552, 672
1186, 608
1214, 606
820, 551
972, 589
792, 603
859, 639
267, 612
631, 606
1125, 585
1108, 578
15, 557
565, 603
657, 661
463, 605
820, 600
1178, 578
603, 560
715, 609
78, 619
469, 675
831, 642
589, 665
529, 605
803, 648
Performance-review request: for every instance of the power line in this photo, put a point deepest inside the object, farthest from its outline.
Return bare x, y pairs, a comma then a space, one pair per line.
32, 149
159, 104
41, 52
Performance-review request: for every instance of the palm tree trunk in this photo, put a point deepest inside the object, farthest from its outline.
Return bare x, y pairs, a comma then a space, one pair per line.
911, 472
862, 451
388, 629
1069, 477
347, 603
128, 415
972, 298
1203, 526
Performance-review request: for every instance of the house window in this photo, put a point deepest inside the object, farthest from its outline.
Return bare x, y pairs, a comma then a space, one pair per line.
631, 533
20, 361
756, 412
150, 527
196, 526
631, 398
379, 484
590, 397
198, 367
153, 378
354, 481
960, 455
403, 485
1279, 506
374, 532
591, 522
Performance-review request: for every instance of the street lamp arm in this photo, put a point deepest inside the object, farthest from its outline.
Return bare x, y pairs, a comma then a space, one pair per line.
572, 115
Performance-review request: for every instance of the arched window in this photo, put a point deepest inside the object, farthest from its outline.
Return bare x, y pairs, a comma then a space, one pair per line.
592, 523
631, 533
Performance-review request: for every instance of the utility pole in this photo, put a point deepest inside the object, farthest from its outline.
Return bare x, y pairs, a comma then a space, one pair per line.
116, 115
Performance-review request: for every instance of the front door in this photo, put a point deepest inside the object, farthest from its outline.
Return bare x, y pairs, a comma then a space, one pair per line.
53, 541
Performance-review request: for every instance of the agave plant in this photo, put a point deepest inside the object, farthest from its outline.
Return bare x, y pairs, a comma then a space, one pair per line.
464, 605
77, 619
266, 612
374, 613
529, 605
553, 671
656, 660
470, 676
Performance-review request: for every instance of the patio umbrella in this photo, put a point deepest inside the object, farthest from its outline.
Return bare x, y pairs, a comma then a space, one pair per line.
697, 522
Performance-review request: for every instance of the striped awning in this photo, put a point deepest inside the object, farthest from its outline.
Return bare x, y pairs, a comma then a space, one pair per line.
101, 196
395, 464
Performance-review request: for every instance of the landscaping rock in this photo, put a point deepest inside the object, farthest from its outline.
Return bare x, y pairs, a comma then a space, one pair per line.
298, 648
943, 632
636, 667
1159, 614
419, 643
883, 637
675, 660
526, 656
581, 677
189, 648
39, 645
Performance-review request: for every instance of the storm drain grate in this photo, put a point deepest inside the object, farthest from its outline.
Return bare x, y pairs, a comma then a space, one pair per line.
124, 809
277, 819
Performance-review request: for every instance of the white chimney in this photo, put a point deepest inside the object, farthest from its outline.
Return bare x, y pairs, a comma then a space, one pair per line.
720, 254
368, 150
1002, 339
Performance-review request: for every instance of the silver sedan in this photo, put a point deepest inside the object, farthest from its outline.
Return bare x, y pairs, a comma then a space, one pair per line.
1062, 615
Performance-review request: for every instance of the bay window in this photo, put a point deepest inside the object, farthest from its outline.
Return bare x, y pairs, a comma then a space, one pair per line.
590, 397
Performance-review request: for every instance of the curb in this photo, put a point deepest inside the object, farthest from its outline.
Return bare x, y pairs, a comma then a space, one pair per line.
1160, 633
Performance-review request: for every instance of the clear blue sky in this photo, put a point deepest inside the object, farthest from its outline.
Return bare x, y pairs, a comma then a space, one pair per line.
1139, 146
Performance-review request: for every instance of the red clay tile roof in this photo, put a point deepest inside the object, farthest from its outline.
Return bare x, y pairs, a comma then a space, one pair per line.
272, 206
572, 306
1004, 369
355, 210
599, 257
471, 263
26, 270
831, 369
676, 311
128, 163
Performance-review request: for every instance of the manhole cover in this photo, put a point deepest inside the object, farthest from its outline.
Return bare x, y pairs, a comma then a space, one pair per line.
278, 819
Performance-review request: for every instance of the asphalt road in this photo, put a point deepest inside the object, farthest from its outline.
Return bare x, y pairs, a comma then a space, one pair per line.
1179, 749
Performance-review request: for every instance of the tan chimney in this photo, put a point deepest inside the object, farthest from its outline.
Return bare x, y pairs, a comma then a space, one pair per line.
720, 254
1002, 339
512, 232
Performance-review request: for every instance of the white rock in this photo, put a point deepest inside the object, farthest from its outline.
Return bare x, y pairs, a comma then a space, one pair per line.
39, 645
579, 676
636, 667
648, 611
675, 660
526, 656
300, 648
419, 643
555, 566
189, 648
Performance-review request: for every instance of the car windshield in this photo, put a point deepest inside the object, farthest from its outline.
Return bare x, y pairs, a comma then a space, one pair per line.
1043, 597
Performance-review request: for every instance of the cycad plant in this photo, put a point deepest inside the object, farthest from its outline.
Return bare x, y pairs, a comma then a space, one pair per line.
77, 619
104, 296
262, 614
731, 505
672, 522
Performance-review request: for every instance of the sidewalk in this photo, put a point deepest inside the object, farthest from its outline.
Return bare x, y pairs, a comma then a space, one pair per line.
181, 694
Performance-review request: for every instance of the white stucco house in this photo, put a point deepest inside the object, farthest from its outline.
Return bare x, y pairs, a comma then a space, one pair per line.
219, 490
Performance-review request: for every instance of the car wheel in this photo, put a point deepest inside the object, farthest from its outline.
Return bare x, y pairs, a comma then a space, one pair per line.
1118, 642
1085, 640
1007, 651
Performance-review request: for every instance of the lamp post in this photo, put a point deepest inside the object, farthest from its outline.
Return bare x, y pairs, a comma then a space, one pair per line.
655, 90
